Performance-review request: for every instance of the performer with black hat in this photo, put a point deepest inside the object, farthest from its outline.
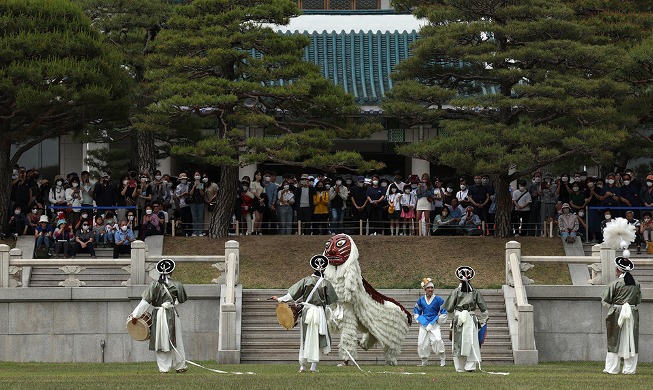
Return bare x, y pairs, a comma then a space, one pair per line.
622, 322
462, 302
313, 293
623, 295
164, 294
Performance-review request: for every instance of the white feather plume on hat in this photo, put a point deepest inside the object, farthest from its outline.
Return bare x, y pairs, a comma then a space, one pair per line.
618, 234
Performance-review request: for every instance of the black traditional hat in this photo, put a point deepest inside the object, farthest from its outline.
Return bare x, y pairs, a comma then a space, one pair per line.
624, 263
165, 266
465, 273
319, 262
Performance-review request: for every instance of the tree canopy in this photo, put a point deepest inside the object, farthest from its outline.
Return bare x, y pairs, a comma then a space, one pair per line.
57, 76
222, 74
520, 84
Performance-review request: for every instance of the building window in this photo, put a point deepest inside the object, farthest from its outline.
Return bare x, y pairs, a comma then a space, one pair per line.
339, 4
396, 135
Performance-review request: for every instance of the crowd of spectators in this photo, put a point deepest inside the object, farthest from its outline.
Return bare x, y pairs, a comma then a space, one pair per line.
96, 211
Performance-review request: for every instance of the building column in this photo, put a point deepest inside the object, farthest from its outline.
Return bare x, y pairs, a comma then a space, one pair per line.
419, 166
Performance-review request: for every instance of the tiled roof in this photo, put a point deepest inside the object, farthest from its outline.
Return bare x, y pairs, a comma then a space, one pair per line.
360, 61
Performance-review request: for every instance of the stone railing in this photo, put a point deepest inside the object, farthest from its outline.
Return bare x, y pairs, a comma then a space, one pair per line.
142, 270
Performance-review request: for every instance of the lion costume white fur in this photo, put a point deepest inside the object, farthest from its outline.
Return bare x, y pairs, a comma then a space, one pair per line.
360, 308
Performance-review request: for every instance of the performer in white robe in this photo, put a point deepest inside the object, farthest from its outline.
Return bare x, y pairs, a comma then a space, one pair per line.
463, 302
165, 339
622, 322
314, 293
430, 315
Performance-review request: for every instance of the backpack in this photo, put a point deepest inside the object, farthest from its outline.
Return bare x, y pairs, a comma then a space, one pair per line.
42, 252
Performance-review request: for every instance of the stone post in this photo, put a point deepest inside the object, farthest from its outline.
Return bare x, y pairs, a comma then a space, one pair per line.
607, 264
511, 247
138, 262
233, 246
4, 265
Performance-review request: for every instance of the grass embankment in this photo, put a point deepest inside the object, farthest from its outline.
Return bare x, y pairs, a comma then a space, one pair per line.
136, 376
386, 262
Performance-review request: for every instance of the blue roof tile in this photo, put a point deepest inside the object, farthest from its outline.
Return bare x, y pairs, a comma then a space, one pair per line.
359, 61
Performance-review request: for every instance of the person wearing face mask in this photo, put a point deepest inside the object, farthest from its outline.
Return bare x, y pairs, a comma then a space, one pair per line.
358, 196
320, 209
463, 194
577, 200
127, 195
84, 240
408, 203
132, 222
197, 195
629, 192
123, 240
449, 194
183, 200
286, 200
304, 195
582, 223
607, 218
58, 194
521, 201
630, 217
375, 197
646, 231
394, 208
611, 195
74, 200
646, 193
17, 225
33, 217
150, 225
338, 195
568, 224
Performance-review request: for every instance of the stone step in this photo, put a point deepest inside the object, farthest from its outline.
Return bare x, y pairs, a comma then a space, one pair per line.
92, 275
264, 340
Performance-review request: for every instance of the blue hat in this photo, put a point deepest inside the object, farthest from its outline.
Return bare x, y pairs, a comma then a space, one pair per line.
361, 179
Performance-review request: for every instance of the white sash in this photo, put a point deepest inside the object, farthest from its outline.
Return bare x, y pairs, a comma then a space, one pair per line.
626, 336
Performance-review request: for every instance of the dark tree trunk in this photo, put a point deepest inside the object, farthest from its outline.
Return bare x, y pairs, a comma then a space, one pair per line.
225, 202
146, 156
504, 207
5, 182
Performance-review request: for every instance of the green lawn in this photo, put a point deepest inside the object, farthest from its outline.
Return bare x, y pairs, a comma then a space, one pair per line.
145, 376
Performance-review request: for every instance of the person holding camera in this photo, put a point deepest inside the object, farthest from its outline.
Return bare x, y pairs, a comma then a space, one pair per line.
197, 204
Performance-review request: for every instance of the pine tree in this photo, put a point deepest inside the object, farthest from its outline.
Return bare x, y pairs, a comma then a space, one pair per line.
515, 86
57, 76
222, 74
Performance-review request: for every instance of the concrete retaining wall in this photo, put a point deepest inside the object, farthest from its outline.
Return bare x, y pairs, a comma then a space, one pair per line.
68, 324
570, 323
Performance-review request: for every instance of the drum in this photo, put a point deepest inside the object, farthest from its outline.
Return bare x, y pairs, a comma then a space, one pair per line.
288, 314
140, 331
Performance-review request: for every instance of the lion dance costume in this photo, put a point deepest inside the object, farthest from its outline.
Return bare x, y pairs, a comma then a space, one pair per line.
360, 307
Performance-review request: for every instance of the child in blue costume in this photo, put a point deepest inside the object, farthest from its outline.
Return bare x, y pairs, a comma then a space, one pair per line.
430, 315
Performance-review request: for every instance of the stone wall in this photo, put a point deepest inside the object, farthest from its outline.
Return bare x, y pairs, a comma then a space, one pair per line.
570, 323
68, 324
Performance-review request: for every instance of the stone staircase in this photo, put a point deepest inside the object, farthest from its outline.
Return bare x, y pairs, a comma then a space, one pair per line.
263, 340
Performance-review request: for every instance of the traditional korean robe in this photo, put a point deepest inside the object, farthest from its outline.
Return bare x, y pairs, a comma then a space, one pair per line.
465, 326
622, 325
